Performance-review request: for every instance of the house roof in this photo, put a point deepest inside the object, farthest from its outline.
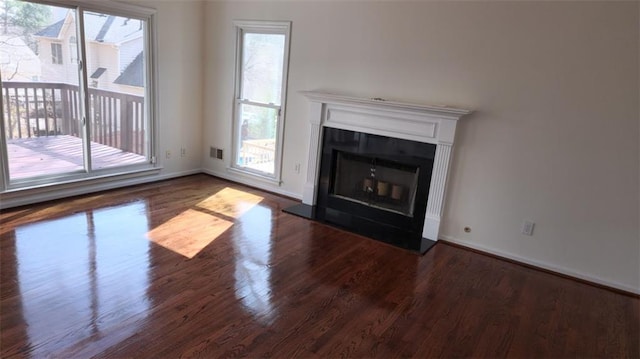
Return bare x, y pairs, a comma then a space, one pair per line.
105, 28
52, 30
133, 75
99, 27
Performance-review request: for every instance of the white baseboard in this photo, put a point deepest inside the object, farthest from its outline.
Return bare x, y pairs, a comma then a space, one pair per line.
265, 186
543, 265
48, 193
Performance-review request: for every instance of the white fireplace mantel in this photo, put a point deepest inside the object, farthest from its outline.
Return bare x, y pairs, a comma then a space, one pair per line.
422, 123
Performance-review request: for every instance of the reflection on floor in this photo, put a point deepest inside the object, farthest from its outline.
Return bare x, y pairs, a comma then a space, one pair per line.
83, 272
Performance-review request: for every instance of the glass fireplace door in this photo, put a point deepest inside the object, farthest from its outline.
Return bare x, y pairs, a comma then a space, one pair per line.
375, 182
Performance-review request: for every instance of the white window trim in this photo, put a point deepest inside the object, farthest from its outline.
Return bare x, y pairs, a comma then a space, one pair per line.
113, 7
151, 99
260, 26
73, 50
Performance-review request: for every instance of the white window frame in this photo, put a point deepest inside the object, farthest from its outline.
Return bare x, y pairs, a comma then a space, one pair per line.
260, 27
148, 15
73, 50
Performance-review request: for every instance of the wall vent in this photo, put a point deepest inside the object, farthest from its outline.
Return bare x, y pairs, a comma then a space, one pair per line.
215, 153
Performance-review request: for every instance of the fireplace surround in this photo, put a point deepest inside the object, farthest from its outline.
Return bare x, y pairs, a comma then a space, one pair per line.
430, 128
375, 185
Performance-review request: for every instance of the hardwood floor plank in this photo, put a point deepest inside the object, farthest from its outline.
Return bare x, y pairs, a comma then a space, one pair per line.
202, 267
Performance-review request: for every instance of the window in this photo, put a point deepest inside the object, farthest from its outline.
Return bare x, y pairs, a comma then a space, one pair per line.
85, 121
262, 54
56, 53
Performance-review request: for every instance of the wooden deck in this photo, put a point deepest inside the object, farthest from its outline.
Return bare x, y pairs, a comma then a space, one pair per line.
42, 156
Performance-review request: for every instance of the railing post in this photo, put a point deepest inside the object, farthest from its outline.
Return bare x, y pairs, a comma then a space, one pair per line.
75, 111
8, 109
36, 130
66, 116
126, 125
93, 116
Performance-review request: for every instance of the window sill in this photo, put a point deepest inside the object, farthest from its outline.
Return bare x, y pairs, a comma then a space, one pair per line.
123, 172
29, 193
255, 176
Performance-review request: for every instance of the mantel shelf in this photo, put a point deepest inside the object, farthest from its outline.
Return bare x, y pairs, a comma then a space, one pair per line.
332, 98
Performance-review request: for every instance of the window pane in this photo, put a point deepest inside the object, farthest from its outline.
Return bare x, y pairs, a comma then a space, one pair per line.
258, 128
73, 49
116, 80
262, 65
56, 54
41, 104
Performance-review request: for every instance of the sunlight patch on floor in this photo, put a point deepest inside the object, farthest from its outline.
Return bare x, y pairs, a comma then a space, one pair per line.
189, 232
230, 202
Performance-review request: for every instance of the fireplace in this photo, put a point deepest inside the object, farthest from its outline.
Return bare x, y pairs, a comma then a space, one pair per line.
375, 185
378, 168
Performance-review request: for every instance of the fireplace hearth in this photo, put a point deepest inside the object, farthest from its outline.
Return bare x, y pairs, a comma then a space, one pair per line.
378, 168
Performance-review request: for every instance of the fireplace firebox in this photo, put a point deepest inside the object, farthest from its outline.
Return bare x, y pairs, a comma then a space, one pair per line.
374, 182
375, 185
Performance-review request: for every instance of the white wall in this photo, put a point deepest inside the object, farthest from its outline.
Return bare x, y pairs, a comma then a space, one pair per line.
180, 67
179, 80
554, 138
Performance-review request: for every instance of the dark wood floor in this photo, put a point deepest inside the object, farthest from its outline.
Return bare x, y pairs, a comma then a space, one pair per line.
202, 267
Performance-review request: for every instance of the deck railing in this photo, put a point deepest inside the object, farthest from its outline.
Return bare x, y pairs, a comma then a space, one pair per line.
36, 109
254, 152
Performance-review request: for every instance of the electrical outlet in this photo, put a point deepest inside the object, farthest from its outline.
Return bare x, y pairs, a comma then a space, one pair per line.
527, 228
167, 155
297, 168
183, 152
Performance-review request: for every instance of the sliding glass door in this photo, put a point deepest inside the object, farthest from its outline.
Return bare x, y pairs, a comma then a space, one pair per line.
75, 93
116, 89
41, 103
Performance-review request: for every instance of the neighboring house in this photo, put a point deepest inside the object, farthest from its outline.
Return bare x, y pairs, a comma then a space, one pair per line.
114, 52
132, 77
17, 61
